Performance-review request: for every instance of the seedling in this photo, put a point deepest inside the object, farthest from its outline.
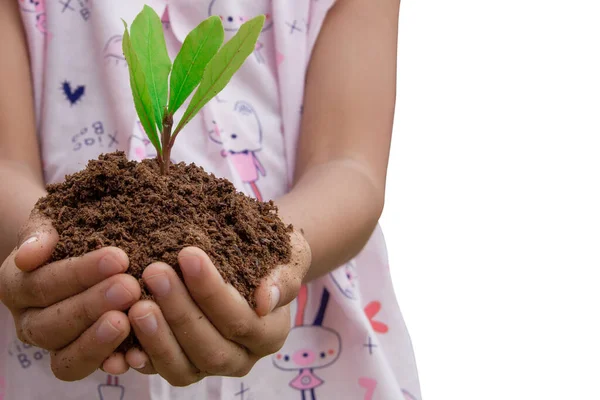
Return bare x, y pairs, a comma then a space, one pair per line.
160, 87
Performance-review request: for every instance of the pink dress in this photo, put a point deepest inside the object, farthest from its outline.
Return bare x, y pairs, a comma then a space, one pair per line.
348, 339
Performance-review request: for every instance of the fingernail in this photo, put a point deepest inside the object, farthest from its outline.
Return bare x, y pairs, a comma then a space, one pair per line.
118, 296
136, 359
109, 265
140, 366
275, 294
159, 284
191, 265
106, 332
147, 323
30, 240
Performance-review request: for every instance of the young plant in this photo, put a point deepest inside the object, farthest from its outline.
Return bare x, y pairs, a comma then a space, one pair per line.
160, 87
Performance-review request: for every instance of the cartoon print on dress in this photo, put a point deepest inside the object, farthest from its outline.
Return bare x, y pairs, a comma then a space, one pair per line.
113, 53
309, 347
243, 393
370, 345
279, 58
139, 143
81, 7
371, 311
242, 149
297, 26
94, 135
166, 20
245, 10
27, 355
38, 8
73, 96
111, 390
345, 279
369, 384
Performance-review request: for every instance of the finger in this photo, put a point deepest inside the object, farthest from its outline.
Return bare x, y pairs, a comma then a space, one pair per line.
36, 243
7, 273
84, 356
282, 285
56, 326
228, 311
115, 364
200, 340
139, 360
161, 346
66, 278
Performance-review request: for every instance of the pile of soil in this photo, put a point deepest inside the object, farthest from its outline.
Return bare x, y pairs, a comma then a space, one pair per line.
130, 205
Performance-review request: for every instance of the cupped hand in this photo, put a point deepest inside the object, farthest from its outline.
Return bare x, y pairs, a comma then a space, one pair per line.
204, 326
71, 307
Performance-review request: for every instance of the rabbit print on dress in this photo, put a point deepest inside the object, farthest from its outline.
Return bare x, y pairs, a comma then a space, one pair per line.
244, 11
235, 14
240, 148
309, 347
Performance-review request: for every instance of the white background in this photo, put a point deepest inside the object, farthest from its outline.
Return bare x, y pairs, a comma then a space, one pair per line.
493, 205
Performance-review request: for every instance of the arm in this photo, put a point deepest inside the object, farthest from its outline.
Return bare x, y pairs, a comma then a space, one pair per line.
21, 182
45, 301
346, 131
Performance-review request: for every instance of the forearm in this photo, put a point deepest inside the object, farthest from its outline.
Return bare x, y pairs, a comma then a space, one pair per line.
346, 128
21, 182
20, 191
337, 206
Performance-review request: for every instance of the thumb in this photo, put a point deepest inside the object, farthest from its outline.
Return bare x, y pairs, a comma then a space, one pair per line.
36, 242
283, 283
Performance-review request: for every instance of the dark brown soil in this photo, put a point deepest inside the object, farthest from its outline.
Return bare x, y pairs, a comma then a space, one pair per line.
116, 202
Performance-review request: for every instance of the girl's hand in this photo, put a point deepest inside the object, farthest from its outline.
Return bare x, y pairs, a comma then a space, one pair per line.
72, 307
205, 327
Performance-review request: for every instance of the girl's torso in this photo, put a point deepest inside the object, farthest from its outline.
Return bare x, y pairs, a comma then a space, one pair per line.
247, 134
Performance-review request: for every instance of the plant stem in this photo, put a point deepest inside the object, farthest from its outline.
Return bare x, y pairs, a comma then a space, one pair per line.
167, 145
165, 157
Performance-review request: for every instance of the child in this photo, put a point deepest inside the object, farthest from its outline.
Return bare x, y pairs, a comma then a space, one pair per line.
306, 121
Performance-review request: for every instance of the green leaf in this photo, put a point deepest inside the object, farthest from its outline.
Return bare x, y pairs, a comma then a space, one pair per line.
198, 48
148, 41
221, 68
141, 94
